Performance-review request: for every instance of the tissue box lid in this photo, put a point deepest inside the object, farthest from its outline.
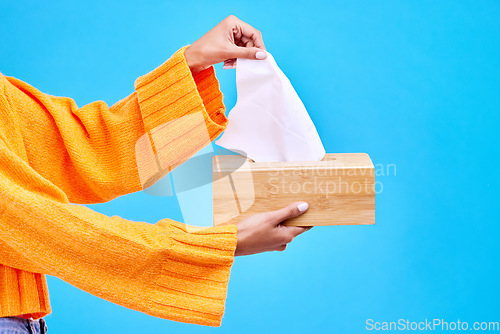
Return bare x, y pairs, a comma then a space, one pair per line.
230, 163
340, 189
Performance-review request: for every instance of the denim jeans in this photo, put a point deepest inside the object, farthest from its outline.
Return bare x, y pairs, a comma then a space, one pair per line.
13, 325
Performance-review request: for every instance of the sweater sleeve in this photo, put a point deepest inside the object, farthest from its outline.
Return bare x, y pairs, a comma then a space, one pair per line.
95, 153
53, 153
168, 269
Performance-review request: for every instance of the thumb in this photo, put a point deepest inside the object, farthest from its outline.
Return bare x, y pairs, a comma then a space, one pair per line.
246, 52
291, 211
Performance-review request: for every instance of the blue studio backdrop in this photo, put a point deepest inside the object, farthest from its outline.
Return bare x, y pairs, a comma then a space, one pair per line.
415, 84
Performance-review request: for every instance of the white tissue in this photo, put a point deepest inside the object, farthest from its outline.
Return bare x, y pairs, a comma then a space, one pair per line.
269, 121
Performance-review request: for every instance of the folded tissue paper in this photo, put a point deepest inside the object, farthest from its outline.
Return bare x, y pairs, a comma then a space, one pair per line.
269, 121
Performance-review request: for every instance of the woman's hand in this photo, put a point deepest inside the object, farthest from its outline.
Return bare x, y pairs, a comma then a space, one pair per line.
230, 39
264, 232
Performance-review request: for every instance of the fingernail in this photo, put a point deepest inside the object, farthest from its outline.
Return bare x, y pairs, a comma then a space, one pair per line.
260, 55
303, 206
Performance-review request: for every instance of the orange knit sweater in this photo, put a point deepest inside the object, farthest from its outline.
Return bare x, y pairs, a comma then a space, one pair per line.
53, 153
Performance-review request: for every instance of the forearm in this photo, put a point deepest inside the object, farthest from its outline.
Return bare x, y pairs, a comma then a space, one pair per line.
160, 269
95, 153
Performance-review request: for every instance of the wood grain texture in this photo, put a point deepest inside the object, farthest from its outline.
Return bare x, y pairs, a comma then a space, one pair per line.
340, 189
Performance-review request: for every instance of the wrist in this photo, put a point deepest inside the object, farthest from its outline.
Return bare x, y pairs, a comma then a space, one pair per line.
237, 249
193, 60
239, 242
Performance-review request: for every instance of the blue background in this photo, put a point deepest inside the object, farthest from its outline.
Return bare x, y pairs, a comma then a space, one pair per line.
415, 84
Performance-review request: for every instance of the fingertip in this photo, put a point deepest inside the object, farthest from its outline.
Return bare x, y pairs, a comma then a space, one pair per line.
297, 230
306, 228
229, 64
303, 206
260, 55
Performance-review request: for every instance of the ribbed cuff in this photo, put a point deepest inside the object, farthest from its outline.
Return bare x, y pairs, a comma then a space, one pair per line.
181, 114
23, 294
189, 283
170, 91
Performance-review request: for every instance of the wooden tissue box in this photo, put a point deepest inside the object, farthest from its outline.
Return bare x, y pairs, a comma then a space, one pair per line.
340, 189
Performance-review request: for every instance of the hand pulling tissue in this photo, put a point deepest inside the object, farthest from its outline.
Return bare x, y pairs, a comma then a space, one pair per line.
269, 121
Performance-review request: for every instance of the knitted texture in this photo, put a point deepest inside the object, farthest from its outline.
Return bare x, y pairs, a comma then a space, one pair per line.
53, 153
